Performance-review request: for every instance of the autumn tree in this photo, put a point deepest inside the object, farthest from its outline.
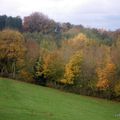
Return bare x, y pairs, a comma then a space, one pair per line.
70, 33
38, 22
39, 72
70, 46
106, 76
107, 79
116, 59
117, 89
49, 68
87, 68
79, 41
12, 52
73, 69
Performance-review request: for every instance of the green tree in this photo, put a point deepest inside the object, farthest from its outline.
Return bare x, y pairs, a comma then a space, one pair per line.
39, 72
14, 23
2, 21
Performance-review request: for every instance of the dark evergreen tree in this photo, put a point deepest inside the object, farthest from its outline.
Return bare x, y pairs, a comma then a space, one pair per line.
2, 21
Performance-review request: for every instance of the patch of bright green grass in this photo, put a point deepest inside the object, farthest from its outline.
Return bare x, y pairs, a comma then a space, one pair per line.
23, 101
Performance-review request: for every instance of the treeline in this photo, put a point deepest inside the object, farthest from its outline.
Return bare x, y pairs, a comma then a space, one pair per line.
81, 65
36, 22
61, 55
10, 22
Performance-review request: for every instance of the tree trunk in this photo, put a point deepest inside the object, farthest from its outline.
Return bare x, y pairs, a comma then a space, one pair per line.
14, 70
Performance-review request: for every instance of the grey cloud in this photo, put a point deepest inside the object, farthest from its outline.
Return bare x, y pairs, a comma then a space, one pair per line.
94, 13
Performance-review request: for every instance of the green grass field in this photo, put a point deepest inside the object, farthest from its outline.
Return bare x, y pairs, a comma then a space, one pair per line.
23, 101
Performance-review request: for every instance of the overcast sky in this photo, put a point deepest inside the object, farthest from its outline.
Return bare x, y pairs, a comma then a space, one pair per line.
91, 13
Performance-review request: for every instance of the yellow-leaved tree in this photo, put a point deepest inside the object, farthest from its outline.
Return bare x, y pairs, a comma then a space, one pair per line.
12, 52
73, 69
78, 42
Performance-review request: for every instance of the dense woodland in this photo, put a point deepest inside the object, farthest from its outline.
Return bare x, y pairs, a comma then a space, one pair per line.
69, 57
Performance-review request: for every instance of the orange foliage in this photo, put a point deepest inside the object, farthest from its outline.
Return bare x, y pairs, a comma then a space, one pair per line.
105, 75
26, 76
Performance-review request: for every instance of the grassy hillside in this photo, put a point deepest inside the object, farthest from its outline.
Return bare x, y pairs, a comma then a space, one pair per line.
22, 101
